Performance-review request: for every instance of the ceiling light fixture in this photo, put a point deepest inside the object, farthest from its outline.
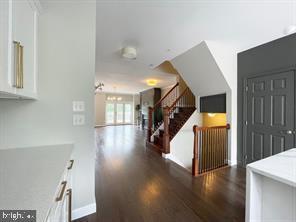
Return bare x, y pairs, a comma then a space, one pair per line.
151, 82
99, 86
129, 53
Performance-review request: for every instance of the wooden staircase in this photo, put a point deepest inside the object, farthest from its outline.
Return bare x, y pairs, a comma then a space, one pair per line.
175, 109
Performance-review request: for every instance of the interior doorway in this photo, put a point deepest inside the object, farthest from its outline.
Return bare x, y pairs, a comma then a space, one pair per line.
269, 114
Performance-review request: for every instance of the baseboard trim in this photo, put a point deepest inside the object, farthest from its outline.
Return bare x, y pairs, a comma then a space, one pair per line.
84, 211
96, 126
232, 163
175, 160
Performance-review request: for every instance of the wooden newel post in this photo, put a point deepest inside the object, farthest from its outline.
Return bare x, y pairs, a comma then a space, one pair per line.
149, 131
195, 152
166, 134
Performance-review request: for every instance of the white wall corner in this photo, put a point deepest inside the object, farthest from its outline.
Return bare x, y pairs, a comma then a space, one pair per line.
225, 55
232, 163
84, 211
181, 146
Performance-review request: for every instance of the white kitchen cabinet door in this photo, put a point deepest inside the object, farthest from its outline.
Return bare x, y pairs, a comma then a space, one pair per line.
24, 30
18, 22
5, 77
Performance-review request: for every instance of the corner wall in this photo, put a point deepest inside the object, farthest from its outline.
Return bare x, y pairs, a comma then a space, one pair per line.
210, 68
181, 146
66, 73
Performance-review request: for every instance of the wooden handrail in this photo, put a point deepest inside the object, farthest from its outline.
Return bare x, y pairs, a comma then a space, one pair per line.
159, 101
178, 99
164, 111
202, 128
155, 113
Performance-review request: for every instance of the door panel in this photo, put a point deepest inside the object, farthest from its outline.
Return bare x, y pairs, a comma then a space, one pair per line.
110, 113
127, 113
270, 115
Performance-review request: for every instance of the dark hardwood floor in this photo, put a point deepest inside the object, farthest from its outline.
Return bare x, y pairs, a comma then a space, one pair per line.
135, 184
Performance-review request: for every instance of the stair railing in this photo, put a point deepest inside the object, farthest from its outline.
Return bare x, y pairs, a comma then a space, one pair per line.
185, 100
155, 113
210, 149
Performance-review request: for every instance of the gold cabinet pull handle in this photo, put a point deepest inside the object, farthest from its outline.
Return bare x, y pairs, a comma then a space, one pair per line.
71, 164
69, 194
60, 197
21, 86
16, 63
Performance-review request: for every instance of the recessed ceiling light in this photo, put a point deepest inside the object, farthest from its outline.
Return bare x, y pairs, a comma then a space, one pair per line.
151, 82
129, 53
211, 114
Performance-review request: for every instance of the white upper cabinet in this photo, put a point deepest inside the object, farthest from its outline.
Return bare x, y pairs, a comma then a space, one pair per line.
5, 84
18, 49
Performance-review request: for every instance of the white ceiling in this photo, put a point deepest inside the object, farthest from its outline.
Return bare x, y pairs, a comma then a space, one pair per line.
161, 30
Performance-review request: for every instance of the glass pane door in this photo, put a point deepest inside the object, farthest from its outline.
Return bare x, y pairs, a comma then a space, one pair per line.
119, 113
110, 113
127, 113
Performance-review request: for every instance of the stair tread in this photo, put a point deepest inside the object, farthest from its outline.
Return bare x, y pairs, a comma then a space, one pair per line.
179, 119
176, 123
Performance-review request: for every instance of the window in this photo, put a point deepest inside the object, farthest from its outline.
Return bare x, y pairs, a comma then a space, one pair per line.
118, 112
127, 113
110, 113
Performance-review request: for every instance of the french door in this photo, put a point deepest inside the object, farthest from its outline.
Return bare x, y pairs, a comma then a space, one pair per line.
118, 113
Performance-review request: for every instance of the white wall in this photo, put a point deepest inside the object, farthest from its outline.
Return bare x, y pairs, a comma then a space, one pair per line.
100, 109
66, 73
181, 146
198, 68
226, 57
165, 90
207, 76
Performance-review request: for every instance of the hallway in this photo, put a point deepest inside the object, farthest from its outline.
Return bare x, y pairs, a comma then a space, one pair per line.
135, 184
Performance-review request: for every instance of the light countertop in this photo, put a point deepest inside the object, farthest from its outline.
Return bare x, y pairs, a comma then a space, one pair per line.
280, 167
29, 177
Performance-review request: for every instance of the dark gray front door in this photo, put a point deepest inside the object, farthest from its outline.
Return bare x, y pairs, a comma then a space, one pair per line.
270, 115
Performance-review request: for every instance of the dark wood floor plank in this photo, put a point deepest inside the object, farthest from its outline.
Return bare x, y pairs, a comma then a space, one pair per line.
135, 184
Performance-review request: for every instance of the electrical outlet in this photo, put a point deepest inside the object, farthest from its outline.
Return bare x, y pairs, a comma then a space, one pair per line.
78, 106
78, 120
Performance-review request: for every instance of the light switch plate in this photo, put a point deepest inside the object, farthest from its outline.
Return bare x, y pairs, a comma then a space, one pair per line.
78, 120
78, 106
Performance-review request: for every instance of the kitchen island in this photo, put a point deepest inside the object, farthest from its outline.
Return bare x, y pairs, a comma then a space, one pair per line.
271, 189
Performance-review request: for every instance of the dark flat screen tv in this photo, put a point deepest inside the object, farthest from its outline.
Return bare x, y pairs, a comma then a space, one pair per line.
213, 104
